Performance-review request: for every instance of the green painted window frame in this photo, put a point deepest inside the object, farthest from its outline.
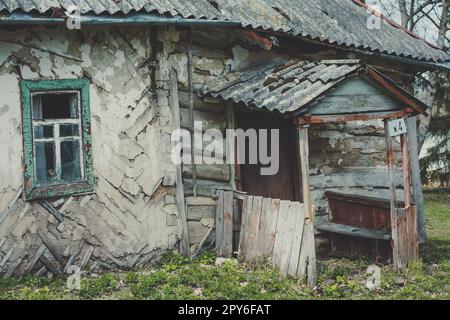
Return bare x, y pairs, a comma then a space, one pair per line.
32, 190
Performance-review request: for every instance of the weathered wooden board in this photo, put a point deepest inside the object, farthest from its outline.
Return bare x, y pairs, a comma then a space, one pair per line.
299, 218
286, 234
200, 212
323, 223
394, 213
216, 172
354, 96
280, 233
174, 105
205, 188
227, 249
253, 227
403, 219
267, 226
416, 181
246, 211
200, 104
276, 229
219, 221
209, 120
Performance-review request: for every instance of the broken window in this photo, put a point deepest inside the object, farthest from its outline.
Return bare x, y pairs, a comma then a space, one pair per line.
56, 138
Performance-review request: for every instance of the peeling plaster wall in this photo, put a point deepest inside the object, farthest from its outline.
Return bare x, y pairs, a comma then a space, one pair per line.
132, 217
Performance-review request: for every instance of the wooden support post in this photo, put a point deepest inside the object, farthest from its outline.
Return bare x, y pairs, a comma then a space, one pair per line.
416, 181
410, 217
190, 69
227, 249
219, 220
304, 167
394, 218
230, 144
405, 167
306, 190
174, 104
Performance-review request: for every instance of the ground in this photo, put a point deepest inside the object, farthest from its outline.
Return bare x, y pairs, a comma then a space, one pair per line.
177, 278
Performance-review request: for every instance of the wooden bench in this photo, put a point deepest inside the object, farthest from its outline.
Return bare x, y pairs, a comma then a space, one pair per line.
358, 226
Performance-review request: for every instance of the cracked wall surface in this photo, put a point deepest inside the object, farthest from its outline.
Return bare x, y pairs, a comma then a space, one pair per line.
131, 219
350, 158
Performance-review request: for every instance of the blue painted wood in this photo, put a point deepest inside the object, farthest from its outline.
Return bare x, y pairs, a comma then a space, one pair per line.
31, 189
357, 95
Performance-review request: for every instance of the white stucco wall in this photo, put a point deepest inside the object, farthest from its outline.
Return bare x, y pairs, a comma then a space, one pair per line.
131, 215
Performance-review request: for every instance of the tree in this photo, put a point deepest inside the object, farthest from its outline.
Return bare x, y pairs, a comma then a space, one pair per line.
431, 20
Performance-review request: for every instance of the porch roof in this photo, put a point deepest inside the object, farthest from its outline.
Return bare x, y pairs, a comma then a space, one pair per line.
290, 87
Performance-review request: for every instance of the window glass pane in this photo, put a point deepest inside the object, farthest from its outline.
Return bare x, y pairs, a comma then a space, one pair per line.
68, 130
45, 162
70, 161
41, 132
55, 106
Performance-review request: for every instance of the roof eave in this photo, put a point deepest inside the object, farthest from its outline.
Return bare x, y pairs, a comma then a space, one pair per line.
398, 92
131, 19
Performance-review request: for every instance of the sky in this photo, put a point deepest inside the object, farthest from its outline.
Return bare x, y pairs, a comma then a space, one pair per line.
425, 28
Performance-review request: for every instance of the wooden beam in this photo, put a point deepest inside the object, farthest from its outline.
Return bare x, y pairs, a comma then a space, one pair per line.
227, 248
219, 220
323, 223
174, 104
303, 143
312, 119
411, 221
405, 167
190, 68
411, 124
394, 218
304, 169
395, 91
231, 124
254, 38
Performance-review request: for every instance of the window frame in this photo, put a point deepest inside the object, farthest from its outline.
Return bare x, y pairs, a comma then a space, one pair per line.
32, 189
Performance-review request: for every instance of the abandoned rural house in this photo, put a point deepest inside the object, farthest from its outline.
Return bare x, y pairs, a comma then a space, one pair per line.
86, 176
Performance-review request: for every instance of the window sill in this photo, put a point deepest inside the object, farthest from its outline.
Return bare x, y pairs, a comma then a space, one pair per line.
60, 190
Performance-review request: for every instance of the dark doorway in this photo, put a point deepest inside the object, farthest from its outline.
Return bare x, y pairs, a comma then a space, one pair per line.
285, 184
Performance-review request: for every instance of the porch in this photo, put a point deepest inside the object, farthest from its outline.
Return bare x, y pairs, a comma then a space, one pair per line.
298, 96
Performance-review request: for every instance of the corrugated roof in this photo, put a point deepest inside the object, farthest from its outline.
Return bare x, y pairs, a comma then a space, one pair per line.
289, 86
339, 22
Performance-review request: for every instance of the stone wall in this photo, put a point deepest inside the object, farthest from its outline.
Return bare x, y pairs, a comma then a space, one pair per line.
216, 53
132, 217
350, 158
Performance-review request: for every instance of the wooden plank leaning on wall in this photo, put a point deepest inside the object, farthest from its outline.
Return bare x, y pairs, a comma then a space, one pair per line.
416, 181
174, 105
306, 188
403, 220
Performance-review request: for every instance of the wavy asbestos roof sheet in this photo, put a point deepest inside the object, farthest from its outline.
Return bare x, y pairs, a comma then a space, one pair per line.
289, 86
339, 22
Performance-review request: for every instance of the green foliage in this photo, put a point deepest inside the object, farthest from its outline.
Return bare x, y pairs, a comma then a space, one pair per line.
435, 166
92, 288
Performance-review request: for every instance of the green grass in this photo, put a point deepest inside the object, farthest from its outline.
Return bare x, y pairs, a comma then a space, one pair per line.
178, 278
